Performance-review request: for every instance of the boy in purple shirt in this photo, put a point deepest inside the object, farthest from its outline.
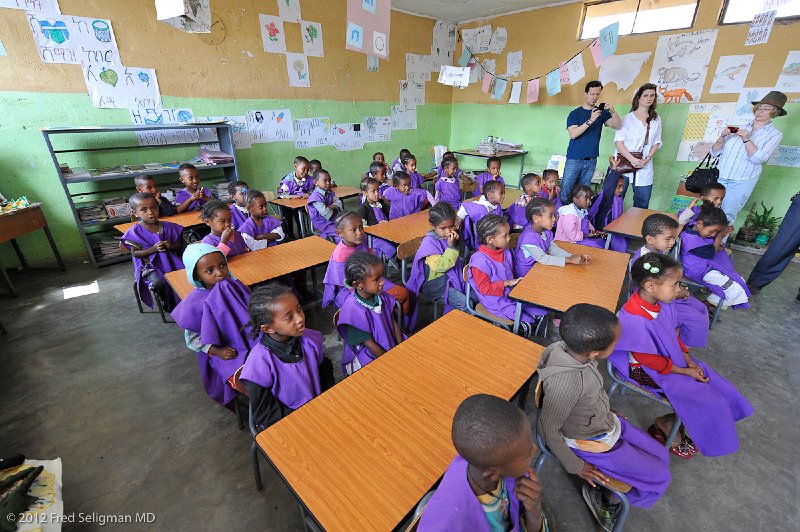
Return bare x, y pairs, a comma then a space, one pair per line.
492, 173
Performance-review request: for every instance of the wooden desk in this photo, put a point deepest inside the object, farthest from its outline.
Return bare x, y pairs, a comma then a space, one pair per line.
362, 454
402, 229
17, 223
265, 264
557, 289
343, 191
500, 155
512, 195
184, 219
629, 223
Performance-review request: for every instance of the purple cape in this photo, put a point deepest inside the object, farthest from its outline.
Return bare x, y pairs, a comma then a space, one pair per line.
433, 246
483, 178
163, 262
516, 215
475, 211
708, 410
292, 383
267, 225
636, 459
416, 180
529, 237
455, 508
449, 191
592, 242
220, 317
500, 271
556, 201
326, 227
183, 194
335, 291
696, 267
378, 325
238, 218
383, 248
618, 242
440, 172
404, 204
236, 245
292, 188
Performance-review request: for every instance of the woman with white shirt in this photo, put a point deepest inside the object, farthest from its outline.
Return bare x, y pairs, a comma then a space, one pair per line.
640, 132
743, 150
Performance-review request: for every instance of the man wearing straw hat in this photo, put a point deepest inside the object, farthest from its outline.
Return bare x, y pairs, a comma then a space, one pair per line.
743, 150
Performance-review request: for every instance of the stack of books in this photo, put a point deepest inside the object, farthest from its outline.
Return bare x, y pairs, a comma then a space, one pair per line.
106, 247
507, 145
91, 212
215, 157
485, 148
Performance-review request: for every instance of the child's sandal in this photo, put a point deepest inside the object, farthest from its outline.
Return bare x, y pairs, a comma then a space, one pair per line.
680, 450
690, 445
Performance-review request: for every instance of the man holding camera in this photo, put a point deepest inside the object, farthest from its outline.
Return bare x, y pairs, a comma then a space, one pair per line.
585, 125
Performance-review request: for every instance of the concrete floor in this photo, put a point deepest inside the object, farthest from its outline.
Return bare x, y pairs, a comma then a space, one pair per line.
117, 396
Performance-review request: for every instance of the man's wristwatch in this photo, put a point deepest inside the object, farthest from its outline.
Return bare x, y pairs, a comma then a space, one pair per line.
588, 123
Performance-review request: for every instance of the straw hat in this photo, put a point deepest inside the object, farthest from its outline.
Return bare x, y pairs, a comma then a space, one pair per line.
776, 99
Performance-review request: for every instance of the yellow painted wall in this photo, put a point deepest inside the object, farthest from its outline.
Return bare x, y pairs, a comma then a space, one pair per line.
550, 35
188, 66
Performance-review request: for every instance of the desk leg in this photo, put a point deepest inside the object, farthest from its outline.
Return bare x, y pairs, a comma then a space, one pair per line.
517, 317
11, 291
309, 523
522, 396
301, 223
56, 254
18, 251
521, 170
608, 240
313, 273
371, 241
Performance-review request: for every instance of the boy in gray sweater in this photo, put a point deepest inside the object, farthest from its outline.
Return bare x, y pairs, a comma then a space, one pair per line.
578, 425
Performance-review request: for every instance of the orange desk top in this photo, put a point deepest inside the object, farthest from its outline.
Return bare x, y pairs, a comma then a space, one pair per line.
402, 229
362, 454
343, 191
629, 223
184, 219
556, 288
265, 264
512, 195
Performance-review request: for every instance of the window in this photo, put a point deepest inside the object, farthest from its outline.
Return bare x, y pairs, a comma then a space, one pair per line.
638, 16
738, 11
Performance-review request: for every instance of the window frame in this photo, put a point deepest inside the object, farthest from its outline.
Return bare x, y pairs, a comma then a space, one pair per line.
724, 9
588, 4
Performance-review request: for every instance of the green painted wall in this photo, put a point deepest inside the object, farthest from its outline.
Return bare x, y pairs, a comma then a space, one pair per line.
542, 131
27, 169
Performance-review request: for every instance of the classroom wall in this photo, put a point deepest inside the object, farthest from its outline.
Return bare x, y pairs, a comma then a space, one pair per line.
227, 78
548, 36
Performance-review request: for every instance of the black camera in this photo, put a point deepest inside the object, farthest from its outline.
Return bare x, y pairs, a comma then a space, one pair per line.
602, 106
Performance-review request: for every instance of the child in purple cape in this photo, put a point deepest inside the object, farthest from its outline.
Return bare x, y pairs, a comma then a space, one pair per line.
324, 206
492, 173
550, 188
410, 168
378, 158
705, 260
260, 230
471, 212
491, 274
366, 321
373, 212
536, 243
490, 484
287, 366
578, 426
573, 220
397, 164
217, 216
296, 184
156, 248
651, 353
192, 197
403, 198
215, 319
531, 187
440, 168
711, 194
146, 183
436, 273
239, 212
448, 187
607, 207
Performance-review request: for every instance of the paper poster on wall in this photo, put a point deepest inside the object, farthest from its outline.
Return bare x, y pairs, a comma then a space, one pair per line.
412, 93
609, 38
703, 125
553, 82
474, 70
498, 41
444, 42
192, 16
367, 30
122, 87
489, 65
465, 57
576, 69
786, 156
347, 137
239, 131
760, 28
73, 40
403, 118
469, 40
289, 10
373, 63
516, 91
297, 67
312, 132
789, 78
622, 69
454, 76
499, 88
563, 73
680, 65
731, 73
39, 6
597, 53
272, 36
270, 125
487, 82
743, 113
514, 63
533, 91
483, 39
418, 67
377, 128
163, 117
312, 39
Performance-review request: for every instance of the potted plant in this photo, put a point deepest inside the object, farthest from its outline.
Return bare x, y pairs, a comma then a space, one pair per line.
759, 225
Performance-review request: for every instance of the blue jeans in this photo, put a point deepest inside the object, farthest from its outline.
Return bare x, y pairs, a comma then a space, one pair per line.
781, 250
641, 195
736, 195
576, 172
456, 299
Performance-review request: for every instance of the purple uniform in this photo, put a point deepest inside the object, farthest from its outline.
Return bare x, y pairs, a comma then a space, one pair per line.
290, 187
377, 321
529, 237
236, 244
469, 227
238, 218
449, 190
266, 226
404, 204
375, 214
432, 245
183, 195
483, 178
325, 226
501, 306
137, 237
618, 242
696, 266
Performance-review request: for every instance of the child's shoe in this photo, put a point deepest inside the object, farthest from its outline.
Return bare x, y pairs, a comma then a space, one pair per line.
605, 513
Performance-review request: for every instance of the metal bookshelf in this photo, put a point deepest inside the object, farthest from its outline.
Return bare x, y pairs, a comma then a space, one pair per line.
230, 171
